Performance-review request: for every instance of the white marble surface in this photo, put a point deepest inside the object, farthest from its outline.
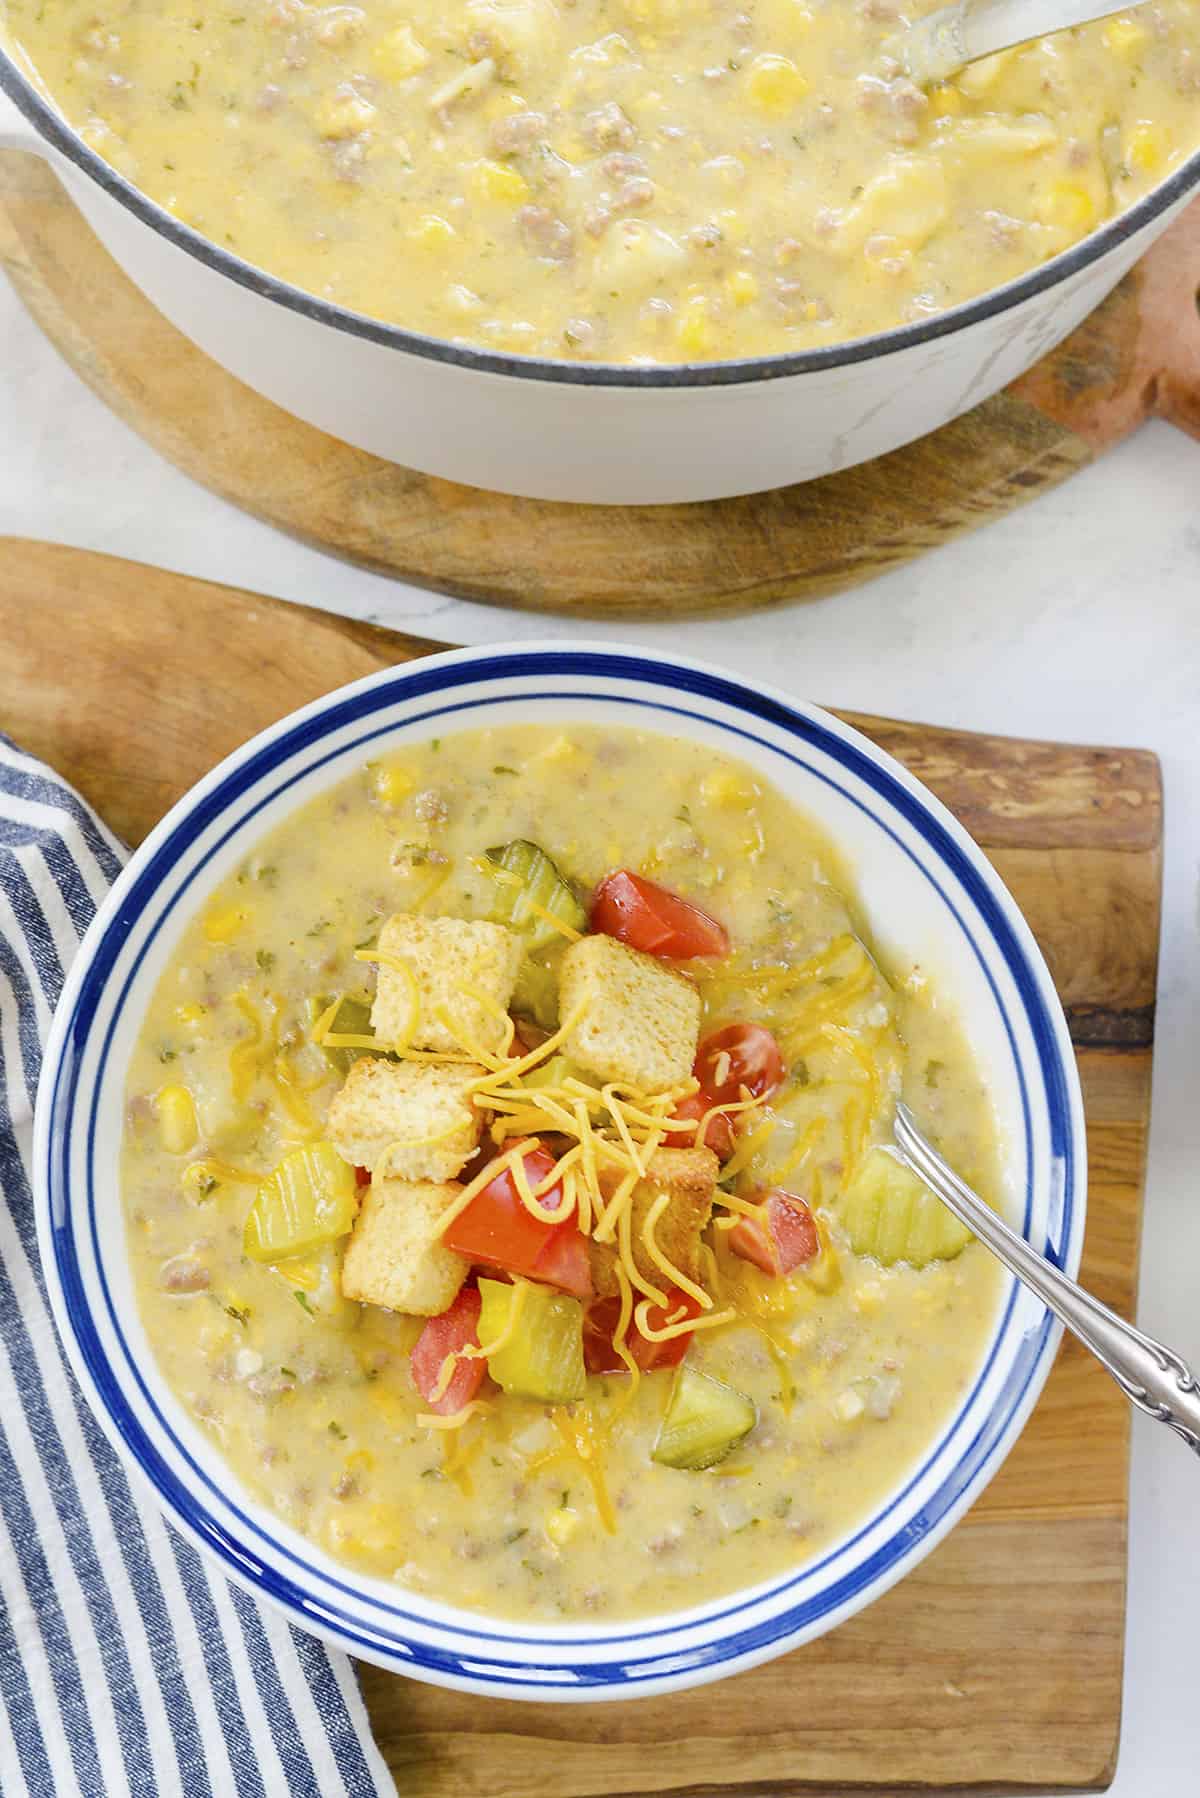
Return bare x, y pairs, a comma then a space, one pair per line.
1077, 618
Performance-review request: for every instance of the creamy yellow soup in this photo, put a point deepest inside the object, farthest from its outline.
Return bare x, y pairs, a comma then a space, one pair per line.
522, 1508
635, 181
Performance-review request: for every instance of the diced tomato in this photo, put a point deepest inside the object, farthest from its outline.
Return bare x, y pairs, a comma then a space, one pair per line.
601, 1319
737, 1056
650, 1355
718, 1133
564, 1262
649, 917
456, 1329
362, 1176
782, 1240
498, 1230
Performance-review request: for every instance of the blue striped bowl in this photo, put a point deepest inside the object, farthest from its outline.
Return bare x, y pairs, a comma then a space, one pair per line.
930, 899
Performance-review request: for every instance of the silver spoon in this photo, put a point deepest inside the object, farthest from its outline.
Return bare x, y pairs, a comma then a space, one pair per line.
937, 46
1157, 1379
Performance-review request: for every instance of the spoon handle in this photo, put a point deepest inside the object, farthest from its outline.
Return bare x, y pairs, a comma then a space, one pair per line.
1156, 1379
944, 41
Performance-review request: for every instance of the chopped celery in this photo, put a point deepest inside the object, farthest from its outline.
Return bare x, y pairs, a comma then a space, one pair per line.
531, 894
353, 1019
889, 1213
308, 1201
704, 1420
544, 1358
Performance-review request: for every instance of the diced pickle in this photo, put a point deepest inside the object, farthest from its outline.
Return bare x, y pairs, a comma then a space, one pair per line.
887, 1212
704, 1420
536, 992
308, 1201
353, 1019
554, 1072
544, 1357
534, 895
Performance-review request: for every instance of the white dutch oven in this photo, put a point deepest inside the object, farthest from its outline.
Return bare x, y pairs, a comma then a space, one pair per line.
583, 432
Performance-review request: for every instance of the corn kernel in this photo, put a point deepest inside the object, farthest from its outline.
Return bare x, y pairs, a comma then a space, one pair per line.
733, 225
343, 113
364, 1529
724, 787
848, 1405
561, 1525
694, 332
225, 922
391, 782
493, 181
1146, 147
177, 1124
1124, 36
946, 101
432, 232
774, 83
868, 1300
743, 287
561, 750
399, 55
1066, 207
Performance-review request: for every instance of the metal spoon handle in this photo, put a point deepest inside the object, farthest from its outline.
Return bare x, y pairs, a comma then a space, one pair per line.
944, 41
1157, 1379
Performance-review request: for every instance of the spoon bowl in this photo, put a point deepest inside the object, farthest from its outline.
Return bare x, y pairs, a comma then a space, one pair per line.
939, 45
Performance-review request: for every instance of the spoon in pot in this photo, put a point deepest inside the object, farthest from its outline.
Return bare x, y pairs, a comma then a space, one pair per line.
1156, 1379
937, 46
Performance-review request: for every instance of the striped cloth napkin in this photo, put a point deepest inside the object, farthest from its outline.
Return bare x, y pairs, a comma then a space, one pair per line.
127, 1664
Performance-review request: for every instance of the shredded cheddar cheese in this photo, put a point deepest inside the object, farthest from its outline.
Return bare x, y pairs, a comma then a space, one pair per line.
429, 1420
661, 1261
683, 1326
398, 965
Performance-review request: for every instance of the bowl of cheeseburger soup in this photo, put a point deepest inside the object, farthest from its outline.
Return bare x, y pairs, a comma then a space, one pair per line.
464, 1183
618, 250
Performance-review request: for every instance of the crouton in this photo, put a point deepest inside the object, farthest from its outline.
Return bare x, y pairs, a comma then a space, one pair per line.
465, 970
385, 1105
637, 1021
396, 1257
689, 1178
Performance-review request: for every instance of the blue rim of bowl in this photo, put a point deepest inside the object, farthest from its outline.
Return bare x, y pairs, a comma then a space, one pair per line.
646, 1650
51, 125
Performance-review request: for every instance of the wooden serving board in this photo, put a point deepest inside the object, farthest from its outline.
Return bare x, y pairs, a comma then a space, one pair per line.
996, 1666
1138, 354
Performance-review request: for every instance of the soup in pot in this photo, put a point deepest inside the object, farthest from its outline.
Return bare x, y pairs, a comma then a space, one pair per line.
628, 181
507, 1182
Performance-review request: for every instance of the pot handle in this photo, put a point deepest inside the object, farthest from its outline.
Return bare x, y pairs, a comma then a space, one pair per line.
1170, 314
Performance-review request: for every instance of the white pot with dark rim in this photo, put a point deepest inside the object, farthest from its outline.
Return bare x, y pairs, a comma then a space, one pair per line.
586, 432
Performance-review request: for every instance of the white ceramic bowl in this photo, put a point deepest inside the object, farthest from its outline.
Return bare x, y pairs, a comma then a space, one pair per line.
929, 897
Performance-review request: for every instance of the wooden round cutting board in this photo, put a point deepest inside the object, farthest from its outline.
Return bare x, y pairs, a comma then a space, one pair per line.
1138, 355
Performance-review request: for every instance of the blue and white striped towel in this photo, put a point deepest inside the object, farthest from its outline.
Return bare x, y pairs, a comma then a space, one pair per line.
126, 1664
